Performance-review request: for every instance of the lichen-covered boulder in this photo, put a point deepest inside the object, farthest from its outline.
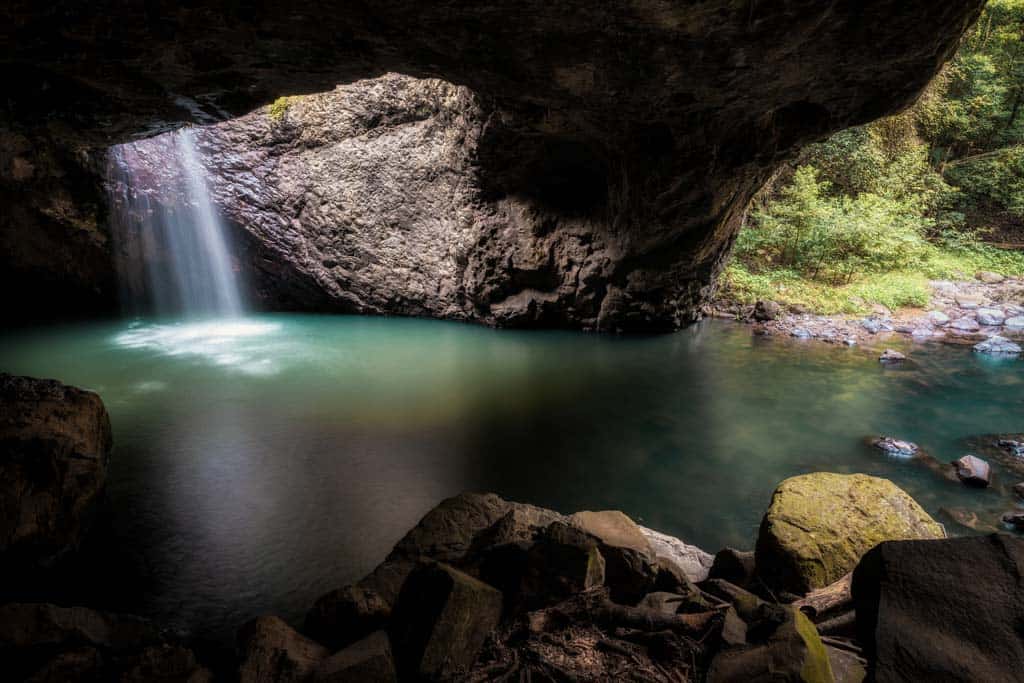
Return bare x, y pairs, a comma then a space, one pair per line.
819, 525
55, 443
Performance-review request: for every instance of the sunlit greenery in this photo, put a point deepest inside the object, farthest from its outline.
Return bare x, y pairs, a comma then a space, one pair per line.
869, 215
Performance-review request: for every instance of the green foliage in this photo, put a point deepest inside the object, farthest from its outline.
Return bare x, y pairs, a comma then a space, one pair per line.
869, 215
278, 108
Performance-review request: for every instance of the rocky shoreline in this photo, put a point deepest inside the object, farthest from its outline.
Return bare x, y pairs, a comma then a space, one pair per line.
849, 580
987, 309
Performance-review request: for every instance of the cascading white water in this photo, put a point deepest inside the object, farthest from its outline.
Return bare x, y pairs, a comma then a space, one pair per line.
172, 244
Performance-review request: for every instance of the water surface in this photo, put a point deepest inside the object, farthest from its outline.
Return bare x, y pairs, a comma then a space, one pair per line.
263, 461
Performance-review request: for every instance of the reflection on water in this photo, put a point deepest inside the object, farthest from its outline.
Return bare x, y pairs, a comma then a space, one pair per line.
263, 462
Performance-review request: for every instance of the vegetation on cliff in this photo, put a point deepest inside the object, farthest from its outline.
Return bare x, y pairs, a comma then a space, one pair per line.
872, 213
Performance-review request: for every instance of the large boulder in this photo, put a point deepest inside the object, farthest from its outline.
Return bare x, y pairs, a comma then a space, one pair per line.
55, 443
346, 615
679, 556
367, 661
946, 610
630, 563
819, 525
440, 622
273, 652
793, 652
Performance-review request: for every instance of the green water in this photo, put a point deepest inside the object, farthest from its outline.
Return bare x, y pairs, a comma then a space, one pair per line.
260, 463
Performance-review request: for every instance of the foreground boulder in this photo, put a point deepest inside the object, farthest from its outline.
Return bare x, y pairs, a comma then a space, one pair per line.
819, 525
43, 642
273, 652
367, 661
346, 615
55, 443
440, 622
630, 565
946, 610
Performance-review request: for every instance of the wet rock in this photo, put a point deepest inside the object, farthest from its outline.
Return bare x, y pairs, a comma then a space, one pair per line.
1011, 446
55, 443
792, 652
938, 318
819, 525
271, 651
367, 661
914, 599
992, 317
965, 324
969, 302
894, 446
1014, 323
989, 278
891, 356
874, 325
346, 615
563, 561
441, 620
997, 346
688, 559
735, 566
630, 565
801, 333
1015, 519
973, 471
766, 310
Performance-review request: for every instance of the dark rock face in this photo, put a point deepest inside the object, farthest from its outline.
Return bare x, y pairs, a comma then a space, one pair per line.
620, 147
907, 616
55, 444
271, 652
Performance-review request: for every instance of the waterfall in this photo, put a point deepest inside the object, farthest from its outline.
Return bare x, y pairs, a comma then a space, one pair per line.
172, 245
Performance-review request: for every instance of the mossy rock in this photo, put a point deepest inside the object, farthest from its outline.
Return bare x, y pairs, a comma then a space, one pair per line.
819, 525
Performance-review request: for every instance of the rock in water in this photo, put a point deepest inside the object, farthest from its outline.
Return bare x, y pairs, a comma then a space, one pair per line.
440, 622
55, 444
973, 471
894, 446
949, 610
1012, 446
630, 565
367, 661
997, 346
793, 652
819, 525
271, 651
1014, 323
891, 356
766, 310
992, 317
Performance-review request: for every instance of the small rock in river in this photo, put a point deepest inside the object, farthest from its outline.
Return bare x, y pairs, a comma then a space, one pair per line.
991, 316
965, 325
801, 333
938, 318
1014, 323
1015, 518
874, 325
895, 446
973, 471
891, 356
766, 310
1012, 447
997, 346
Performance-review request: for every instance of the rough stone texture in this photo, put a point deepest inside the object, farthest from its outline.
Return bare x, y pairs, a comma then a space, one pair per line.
55, 443
793, 652
562, 562
819, 525
273, 652
621, 145
440, 622
367, 661
630, 562
346, 615
946, 610
690, 560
